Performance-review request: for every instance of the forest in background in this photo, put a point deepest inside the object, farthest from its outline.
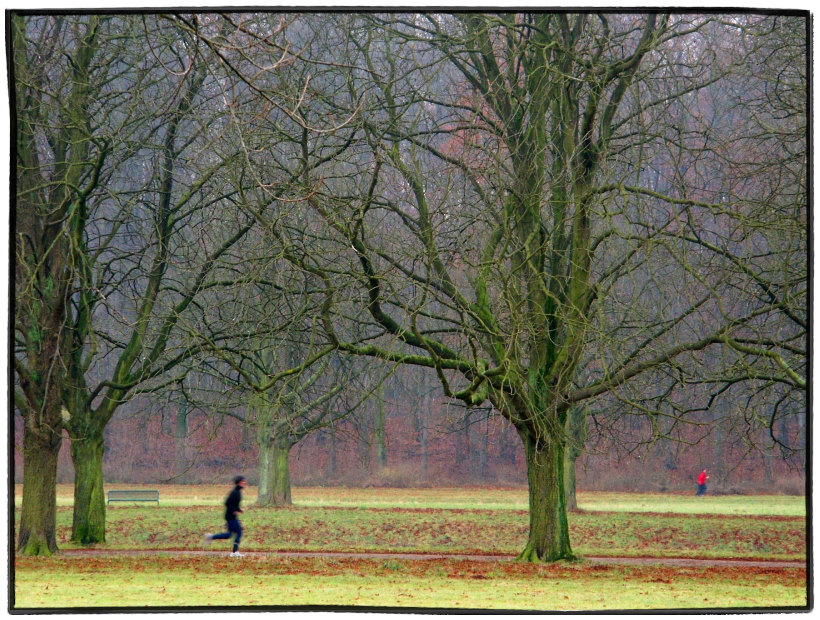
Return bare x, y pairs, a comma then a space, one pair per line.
427, 443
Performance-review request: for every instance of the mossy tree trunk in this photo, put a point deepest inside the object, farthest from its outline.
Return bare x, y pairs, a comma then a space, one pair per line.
380, 438
247, 437
767, 465
38, 525
365, 437
423, 440
86, 429
263, 497
280, 493
570, 481
274, 472
181, 437
274, 442
548, 538
331, 458
576, 426
482, 446
88, 525
265, 423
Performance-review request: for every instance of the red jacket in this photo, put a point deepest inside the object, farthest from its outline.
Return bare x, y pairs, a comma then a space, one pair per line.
702, 478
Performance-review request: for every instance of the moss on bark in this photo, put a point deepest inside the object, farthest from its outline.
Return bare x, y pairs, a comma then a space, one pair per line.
548, 539
88, 525
37, 535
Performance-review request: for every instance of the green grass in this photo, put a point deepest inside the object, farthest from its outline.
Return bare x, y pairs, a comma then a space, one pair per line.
187, 581
451, 531
775, 505
474, 499
452, 521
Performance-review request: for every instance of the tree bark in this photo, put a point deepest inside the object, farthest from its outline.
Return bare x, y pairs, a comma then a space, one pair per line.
274, 473
570, 496
482, 448
576, 426
509, 444
247, 437
264, 497
767, 466
363, 427
280, 473
548, 539
719, 452
331, 459
381, 445
88, 526
38, 524
421, 426
181, 437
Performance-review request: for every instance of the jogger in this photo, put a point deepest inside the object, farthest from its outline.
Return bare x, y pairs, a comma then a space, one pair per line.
232, 511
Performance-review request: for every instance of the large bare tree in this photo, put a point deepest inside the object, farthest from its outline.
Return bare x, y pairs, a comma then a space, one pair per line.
58, 162
498, 225
143, 229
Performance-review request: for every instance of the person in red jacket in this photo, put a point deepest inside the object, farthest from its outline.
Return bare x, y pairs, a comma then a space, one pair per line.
702, 478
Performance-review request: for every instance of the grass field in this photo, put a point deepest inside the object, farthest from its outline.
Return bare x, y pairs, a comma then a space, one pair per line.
222, 581
473, 498
451, 521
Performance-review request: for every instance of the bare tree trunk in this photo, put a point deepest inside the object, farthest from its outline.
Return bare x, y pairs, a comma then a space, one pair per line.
509, 443
570, 482
265, 453
180, 438
142, 432
280, 492
37, 534
465, 454
767, 466
548, 538
421, 428
381, 445
719, 469
274, 471
88, 525
482, 448
247, 440
576, 426
331, 457
363, 427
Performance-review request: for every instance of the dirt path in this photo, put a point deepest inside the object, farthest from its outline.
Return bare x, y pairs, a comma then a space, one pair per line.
695, 562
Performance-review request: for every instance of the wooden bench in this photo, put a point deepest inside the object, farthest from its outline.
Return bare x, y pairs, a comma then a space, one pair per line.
133, 496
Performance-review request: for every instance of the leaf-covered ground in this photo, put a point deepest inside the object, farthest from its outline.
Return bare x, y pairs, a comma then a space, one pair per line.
169, 581
471, 521
453, 531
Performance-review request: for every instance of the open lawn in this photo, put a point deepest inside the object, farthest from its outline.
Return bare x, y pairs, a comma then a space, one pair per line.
197, 581
472, 498
447, 521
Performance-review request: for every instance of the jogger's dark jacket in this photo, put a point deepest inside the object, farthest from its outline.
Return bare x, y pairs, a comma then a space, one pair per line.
232, 504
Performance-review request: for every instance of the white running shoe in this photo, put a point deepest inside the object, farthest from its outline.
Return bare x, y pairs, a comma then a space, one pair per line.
207, 538
236, 554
